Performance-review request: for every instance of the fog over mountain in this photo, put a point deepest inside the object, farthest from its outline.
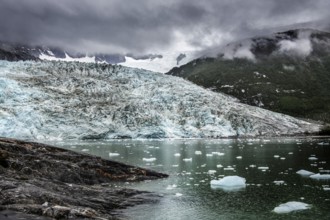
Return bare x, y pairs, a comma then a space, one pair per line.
150, 26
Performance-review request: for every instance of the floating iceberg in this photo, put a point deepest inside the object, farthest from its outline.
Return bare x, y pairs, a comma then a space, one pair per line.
304, 173
152, 159
312, 158
187, 159
114, 154
211, 172
290, 207
320, 176
198, 152
229, 183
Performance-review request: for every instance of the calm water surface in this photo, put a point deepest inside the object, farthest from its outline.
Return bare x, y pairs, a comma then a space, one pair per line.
187, 193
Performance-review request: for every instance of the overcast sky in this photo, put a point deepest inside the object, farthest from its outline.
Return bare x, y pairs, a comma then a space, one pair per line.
148, 26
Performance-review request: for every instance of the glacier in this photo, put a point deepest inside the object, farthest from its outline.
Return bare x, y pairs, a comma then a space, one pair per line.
54, 100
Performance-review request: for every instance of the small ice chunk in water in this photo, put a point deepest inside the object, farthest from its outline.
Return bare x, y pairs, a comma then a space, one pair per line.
152, 159
211, 172
178, 194
187, 159
320, 176
114, 154
282, 158
219, 166
312, 158
304, 173
290, 207
197, 152
85, 150
209, 155
177, 155
279, 182
263, 168
239, 157
228, 168
229, 183
253, 166
276, 156
170, 187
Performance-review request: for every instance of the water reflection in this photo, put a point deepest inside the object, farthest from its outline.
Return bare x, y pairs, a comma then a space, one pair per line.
269, 167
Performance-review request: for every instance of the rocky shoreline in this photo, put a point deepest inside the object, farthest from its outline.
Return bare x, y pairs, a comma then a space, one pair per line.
45, 182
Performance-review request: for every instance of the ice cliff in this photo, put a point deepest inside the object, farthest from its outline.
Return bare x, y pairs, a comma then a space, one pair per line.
60, 100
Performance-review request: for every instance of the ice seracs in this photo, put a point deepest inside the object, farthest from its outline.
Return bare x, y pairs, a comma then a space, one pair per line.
304, 173
229, 183
290, 207
71, 100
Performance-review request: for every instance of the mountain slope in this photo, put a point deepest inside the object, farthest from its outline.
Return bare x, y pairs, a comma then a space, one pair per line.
65, 100
287, 72
153, 62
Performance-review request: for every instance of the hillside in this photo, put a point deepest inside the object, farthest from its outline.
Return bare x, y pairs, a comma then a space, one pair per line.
287, 72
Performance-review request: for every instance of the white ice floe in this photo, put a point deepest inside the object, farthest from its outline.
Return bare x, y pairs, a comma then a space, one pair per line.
218, 153
239, 157
114, 154
177, 155
85, 150
312, 158
279, 182
304, 173
290, 207
152, 159
229, 183
178, 194
187, 159
170, 187
197, 152
219, 166
320, 176
263, 168
276, 156
211, 172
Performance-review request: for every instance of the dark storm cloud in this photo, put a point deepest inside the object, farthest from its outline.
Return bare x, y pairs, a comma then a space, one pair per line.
145, 25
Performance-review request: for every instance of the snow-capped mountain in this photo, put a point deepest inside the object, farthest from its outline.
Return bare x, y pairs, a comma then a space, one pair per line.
287, 72
70, 100
154, 62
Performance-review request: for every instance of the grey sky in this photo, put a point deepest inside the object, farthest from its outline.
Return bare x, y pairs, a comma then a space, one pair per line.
144, 26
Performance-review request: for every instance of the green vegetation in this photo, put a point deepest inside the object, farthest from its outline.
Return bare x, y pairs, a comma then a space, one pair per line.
296, 86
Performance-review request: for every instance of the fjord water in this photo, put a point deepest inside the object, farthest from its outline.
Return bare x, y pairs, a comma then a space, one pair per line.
192, 164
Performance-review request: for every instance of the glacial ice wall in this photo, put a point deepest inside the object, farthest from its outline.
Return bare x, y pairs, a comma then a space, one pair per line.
60, 100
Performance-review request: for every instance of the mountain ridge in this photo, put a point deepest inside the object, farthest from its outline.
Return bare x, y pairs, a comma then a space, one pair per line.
288, 72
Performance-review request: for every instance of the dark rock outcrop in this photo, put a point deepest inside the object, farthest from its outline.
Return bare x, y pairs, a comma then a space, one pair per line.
51, 182
16, 56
